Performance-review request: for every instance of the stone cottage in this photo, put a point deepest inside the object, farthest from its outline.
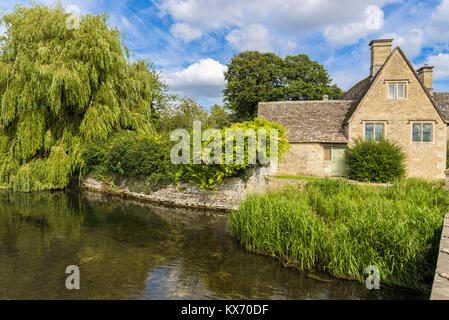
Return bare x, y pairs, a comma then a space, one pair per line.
396, 102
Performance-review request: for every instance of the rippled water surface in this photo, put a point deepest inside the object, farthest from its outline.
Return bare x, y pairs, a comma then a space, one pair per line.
129, 250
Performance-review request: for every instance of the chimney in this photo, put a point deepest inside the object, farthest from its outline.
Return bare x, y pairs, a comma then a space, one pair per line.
325, 97
425, 74
380, 51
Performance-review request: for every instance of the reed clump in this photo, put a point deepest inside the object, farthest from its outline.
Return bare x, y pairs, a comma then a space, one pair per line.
343, 228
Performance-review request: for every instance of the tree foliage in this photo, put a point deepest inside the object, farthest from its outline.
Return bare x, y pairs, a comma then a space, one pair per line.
182, 113
133, 155
62, 88
253, 77
208, 176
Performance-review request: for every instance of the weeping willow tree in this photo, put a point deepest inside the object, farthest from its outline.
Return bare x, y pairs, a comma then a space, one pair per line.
61, 89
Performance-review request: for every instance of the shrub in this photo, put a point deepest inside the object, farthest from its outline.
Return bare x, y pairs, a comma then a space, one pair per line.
343, 228
135, 155
140, 155
375, 161
208, 176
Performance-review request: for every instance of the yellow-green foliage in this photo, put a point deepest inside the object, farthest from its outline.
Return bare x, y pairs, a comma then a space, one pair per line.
60, 89
208, 176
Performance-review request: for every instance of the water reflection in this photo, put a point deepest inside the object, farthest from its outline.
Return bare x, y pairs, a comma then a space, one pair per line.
131, 250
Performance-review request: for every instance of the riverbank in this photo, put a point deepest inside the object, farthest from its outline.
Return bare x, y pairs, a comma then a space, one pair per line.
331, 232
226, 197
342, 228
440, 288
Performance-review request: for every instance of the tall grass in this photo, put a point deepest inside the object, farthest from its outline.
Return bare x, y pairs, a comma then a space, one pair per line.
343, 228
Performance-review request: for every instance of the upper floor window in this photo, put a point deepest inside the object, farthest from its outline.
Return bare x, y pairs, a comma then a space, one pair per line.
396, 90
422, 132
374, 131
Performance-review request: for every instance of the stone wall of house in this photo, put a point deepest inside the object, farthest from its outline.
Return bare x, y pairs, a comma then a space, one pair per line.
304, 159
227, 196
425, 159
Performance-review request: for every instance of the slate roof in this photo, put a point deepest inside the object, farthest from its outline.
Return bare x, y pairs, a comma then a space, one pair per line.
323, 121
310, 121
441, 99
358, 91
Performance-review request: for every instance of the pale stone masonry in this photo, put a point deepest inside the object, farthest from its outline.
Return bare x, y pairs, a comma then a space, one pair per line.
226, 197
395, 101
440, 288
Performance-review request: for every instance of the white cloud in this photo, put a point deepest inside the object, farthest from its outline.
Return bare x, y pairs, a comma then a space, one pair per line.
292, 15
206, 15
185, 32
201, 79
346, 21
438, 29
441, 64
411, 44
128, 27
350, 33
291, 45
251, 37
348, 77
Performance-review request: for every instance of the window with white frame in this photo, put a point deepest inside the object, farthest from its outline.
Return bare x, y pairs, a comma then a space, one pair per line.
422, 132
374, 131
397, 90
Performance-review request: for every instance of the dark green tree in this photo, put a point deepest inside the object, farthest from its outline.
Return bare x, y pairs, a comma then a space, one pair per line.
253, 77
60, 89
305, 79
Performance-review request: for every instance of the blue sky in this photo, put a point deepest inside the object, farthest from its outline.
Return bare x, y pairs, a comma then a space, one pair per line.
191, 41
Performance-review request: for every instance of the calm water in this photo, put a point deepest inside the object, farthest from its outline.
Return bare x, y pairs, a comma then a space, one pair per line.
130, 250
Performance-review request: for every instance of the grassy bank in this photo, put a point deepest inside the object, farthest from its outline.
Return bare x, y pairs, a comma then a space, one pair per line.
343, 228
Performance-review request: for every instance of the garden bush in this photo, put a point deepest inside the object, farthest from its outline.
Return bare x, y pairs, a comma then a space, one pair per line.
375, 161
135, 155
142, 155
209, 176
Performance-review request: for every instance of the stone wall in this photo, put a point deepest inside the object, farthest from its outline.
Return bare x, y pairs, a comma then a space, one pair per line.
305, 159
424, 159
440, 288
227, 196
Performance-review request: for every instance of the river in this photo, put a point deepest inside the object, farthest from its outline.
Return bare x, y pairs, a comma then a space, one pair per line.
126, 249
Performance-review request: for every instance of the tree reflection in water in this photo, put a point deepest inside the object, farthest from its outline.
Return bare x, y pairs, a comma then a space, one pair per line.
131, 250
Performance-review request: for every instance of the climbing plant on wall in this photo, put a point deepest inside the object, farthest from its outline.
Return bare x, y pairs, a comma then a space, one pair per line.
61, 88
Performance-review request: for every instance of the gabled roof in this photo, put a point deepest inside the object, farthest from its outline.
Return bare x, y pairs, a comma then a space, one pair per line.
376, 77
442, 101
324, 121
310, 121
358, 91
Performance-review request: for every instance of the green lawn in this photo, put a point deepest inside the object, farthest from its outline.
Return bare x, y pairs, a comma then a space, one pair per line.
298, 178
